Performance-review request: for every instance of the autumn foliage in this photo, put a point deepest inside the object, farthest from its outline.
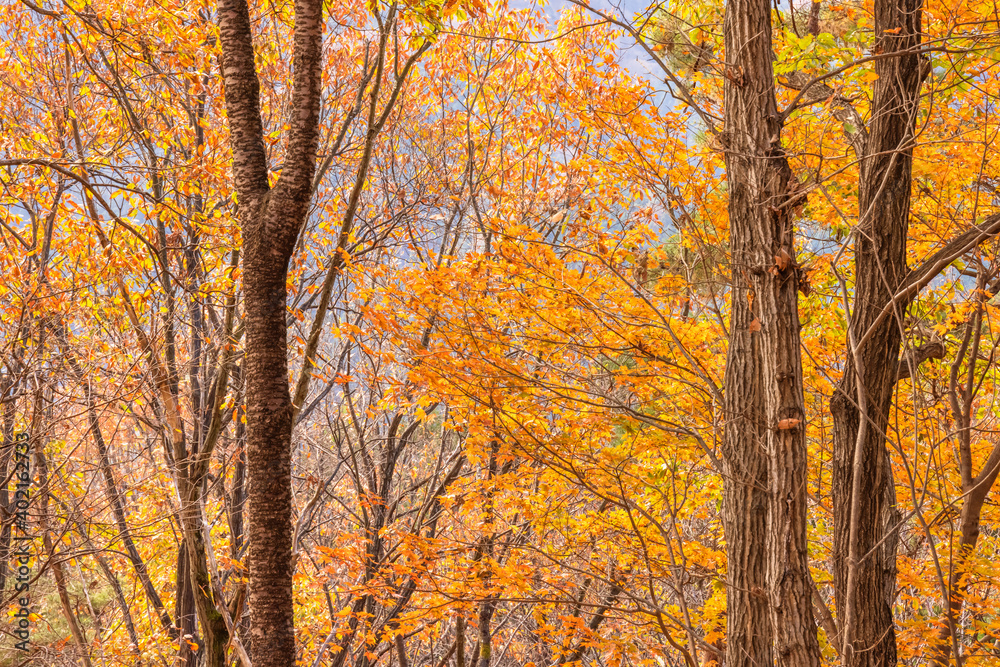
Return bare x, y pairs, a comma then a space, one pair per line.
512, 315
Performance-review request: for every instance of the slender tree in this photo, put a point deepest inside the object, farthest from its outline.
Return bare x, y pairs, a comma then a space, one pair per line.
271, 219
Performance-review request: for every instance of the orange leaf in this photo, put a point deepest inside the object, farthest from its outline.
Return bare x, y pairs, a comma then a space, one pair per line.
782, 259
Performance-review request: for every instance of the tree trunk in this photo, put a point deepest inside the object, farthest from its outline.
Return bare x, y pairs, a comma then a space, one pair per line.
184, 610
863, 491
460, 641
214, 632
239, 495
769, 590
484, 558
271, 220
813, 26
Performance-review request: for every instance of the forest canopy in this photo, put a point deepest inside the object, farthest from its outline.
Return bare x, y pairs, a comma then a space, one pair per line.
473, 333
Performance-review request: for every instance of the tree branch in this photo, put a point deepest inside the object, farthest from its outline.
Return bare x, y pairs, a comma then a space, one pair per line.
239, 75
921, 276
909, 361
303, 120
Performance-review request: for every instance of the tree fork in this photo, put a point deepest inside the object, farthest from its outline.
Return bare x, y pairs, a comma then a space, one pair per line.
271, 219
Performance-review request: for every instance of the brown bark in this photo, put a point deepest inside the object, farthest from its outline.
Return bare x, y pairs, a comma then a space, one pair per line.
271, 220
184, 609
769, 592
401, 651
483, 558
460, 641
863, 492
813, 26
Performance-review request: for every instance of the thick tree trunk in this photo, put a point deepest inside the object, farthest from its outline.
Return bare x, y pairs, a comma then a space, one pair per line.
863, 492
271, 220
769, 591
269, 466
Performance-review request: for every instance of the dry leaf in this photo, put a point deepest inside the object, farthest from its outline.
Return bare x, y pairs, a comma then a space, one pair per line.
754, 325
786, 424
782, 260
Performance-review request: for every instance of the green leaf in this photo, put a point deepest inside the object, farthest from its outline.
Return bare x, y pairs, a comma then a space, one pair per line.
826, 39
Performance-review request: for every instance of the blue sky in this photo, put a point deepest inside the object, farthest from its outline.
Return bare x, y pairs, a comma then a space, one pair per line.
635, 59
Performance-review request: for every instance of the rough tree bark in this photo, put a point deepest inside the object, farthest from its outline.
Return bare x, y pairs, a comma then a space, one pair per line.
863, 493
271, 219
769, 590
